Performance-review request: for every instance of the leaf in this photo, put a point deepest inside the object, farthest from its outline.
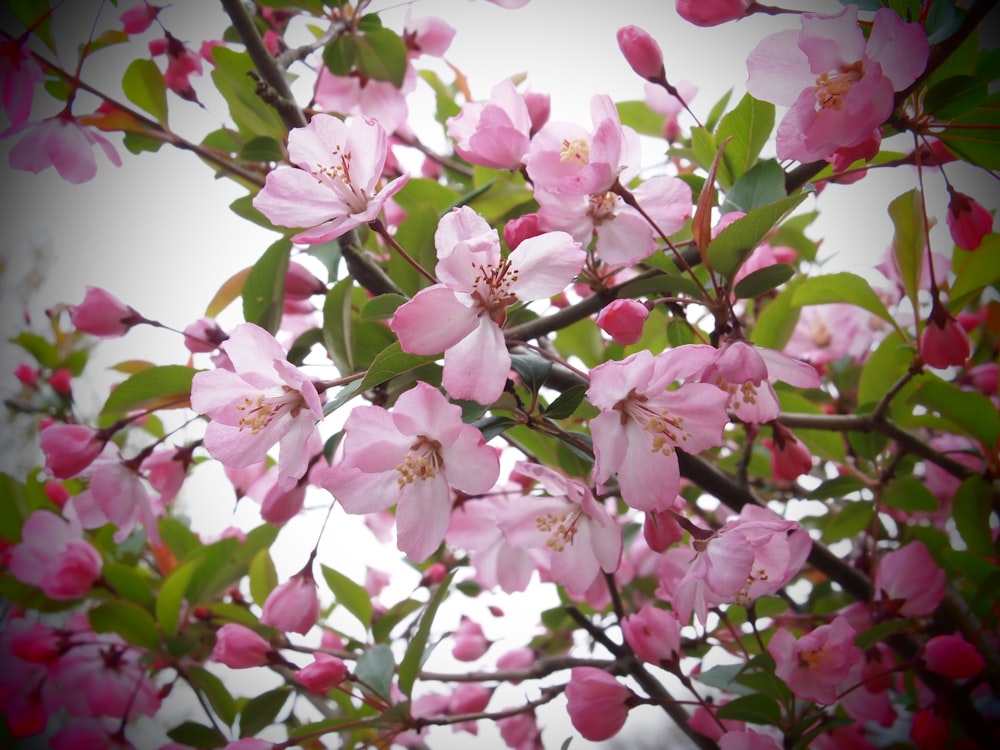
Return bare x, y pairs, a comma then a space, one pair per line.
168, 603
129, 583
350, 595
763, 280
337, 325
375, 669
643, 120
381, 307
974, 136
214, 689
661, 285
733, 244
493, 426
127, 619
383, 625
263, 576
755, 708
909, 493
340, 54
884, 367
381, 55
420, 191
972, 507
717, 110
847, 521
416, 650
841, 287
749, 125
164, 387
231, 76
262, 148
701, 223
533, 369
144, 86
393, 361
823, 443
723, 677
344, 395
264, 287
970, 411
955, 96
908, 240
974, 272
193, 734
762, 185
260, 711
878, 633
566, 403
231, 289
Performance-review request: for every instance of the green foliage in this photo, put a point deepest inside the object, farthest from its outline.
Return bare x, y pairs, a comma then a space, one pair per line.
264, 287
164, 387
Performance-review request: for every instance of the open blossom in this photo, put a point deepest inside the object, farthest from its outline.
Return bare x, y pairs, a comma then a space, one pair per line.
469, 306
411, 457
470, 640
182, 63
820, 664
838, 86
60, 142
495, 134
952, 656
334, 186
264, 400
576, 533
597, 703
54, 556
909, 582
642, 424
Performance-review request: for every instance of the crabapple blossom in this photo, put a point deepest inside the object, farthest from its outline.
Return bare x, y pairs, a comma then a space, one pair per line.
264, 400
70, 448
182, 63
909, 582
790, 459
838, 85
820, 664
712, 12
19, 75
597, 703
623, 320
239, 647
660, 528
333, 187
411, 457
968, 221
871, 701
367, 98
325, 672
642, 424
470, 641
747, 739
140, 17
470, 304
943, 342
104, 315
576, 533
293, 607
654, 634
61, 142
117, 495
952, 656
641, 51
54, 556
495, 134
427, 36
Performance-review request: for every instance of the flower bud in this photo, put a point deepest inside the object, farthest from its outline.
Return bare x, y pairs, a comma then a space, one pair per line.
641, 52
597, 703
238, 647
623, 320
69, 448
102, 314
470, 641
325, 672
654, 634
943, 342
952, 656
968, 221
712, 12
789, 458
293, 607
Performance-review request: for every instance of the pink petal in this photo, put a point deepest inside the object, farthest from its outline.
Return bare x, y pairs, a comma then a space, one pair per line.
453, 321
546, 264
476, 368
901, 48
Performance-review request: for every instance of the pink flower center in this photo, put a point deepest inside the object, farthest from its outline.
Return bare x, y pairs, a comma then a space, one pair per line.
664, 431
602, 206
738, 394
492, 290
260, 412
576, 151
834, 85
423, 461
560, 528
337, 176
811, 659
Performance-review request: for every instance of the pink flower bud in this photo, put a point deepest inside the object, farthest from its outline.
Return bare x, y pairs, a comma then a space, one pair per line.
597, 703
293, 607
203, 336
102, 314
518, 230
712, 12
623, 320
539, 107
300, 283
943, 342
789, 458
325, 672
641, 52
929, 730
654, 634
470, 641
238, 647
62, 382
136, 20
69, 448
56, 492
968, 221
660, 530
952, 656
434, 574
27, 374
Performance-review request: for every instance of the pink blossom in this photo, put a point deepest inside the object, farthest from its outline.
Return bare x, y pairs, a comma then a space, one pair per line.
117, 495
470, 641
266, 400
790, 459
909, 582
27, 375
654, 634
518, 230
747, 739
365, 98
19, 75
53, 556
828, 332
641, 51
468, 698
820, 664
89, 734
411, 457
952, 656
427, 36
520, 731
943, 342
238, 647
70, 448
301, 283
61, 381
597, 703
712, 12
838, 85
325, 672
334, 185
642, 424
60, 142
470, 304
166, 471
182, 63
871, 701
293, 607
102, 314
495, 134
574, 531
929, 730
140, 17
968, 221
660, 529
623, 320
203, 336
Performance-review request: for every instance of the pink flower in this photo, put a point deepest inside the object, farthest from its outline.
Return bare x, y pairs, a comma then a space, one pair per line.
623, 320
495, 134
943, 342
641, 51
182, 63
712, 12
139, 18
654, 634
469, 307
828, 332
790, 459
641, 425
427, 36
952, 656
838, 85
293, 607
104, 315
61, 142
27, 374
203, 336
265, 401
411, 457
470, 641
574, 531
117, 495
968, 221
53, 556
238, 647
367, 98
61, 381
70, 448
19, 75
335, 185
325, 672
520, 731
820, 664
597, 703
468, 698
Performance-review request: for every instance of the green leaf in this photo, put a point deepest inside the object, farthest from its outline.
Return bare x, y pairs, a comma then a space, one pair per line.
878, 633
44, 351
262, 148
340, 54
127, 619
823, 443
755, 708
955, 96
972, 507
393, 361
382, 627
661, 285
533, 369
908, 240
168, 603
883, 369
493, 426
909, 493
638, 116
416, 235
180, 540
420, 191
214, 690
193, 734
840, 486
260, 711
850, 519
128, 582
164, 387
416, 650
971, 412
763, 280
350, 595
144, 86
263, 576
841, 287
566, 403
231, 76
974, 136
344, 395
381, 307
749, 124
704, 147
337, 325
264, 287
375, 669
717, 110
723, 677
733, 244
381, 55
974, 272
760, 186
